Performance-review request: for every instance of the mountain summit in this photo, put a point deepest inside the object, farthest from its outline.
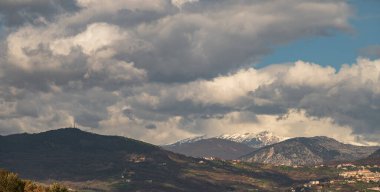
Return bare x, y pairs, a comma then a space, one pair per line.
255, 140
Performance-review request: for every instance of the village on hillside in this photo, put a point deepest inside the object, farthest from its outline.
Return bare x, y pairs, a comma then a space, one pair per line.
363, 177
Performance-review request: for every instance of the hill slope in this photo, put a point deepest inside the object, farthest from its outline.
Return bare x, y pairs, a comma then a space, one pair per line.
375, 154
374, 159
212, 147
112, 163
78, 153
308, 151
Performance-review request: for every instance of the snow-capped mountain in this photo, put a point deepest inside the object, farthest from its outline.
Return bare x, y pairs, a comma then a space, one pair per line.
224, 146
255, 140
210, 147
189, 140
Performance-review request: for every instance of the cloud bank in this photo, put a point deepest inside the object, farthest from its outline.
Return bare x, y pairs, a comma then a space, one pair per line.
165, 70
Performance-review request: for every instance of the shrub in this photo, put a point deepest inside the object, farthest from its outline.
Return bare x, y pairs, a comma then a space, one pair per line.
9, 182
57, 188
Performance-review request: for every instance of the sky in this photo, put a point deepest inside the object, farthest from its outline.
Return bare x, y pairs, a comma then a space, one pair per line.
164, 70
338, 48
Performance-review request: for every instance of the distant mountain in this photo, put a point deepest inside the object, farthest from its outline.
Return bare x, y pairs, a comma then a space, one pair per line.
308, 151
212, 147
252, 139
224, 146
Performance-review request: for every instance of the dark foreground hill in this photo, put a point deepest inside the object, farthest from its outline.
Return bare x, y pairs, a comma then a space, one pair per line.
212, 147
71, 153
308, 151
110, 163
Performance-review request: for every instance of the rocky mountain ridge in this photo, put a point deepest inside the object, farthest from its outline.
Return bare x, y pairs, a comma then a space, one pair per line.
308, 151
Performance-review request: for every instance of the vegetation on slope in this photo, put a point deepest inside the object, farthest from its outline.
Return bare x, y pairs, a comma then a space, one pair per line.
10, 182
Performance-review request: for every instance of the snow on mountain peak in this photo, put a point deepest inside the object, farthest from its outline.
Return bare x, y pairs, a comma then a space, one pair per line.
253, 139
190, 140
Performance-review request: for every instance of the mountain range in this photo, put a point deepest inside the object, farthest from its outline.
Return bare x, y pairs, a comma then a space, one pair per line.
224, 146
92, 162
265, 147
308, 151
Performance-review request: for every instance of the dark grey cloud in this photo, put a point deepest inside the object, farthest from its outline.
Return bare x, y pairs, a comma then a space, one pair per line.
151, 126
212, 116
88, 119
203, 39
18, 12
214, 37
128, 112
27, 108
42, 79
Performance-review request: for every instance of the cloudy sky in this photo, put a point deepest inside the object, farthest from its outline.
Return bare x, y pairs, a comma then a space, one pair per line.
164, 70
